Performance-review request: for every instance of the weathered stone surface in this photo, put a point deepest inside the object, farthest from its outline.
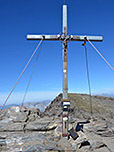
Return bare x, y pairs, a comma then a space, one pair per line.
3, 136
81, 139
107, 133
29, 130
96, 144
40, 126
6, 120
3, 145
95, 126
109, 141
58, 130
64, 143
18, 117
4, 127
32, 117
2, 142
13, 114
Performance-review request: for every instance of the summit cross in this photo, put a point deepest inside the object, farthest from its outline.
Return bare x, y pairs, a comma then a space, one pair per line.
65, 38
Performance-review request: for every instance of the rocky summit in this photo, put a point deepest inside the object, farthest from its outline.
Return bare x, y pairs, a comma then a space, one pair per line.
30, 130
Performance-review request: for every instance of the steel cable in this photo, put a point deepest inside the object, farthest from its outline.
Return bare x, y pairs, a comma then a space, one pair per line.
100, 55
88, 78
31, 76
21, 74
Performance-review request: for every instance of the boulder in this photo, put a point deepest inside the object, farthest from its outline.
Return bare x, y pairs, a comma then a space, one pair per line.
13, 114
2, 142
64, 143
40, 126
95, 126
6, 120
3, 136
18, 116
81, 139
96, 144
11, 127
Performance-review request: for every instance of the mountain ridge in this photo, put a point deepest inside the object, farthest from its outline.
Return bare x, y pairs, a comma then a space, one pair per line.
40, 105
30, 130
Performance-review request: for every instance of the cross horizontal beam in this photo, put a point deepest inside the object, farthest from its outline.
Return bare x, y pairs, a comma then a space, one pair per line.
45, 37
85, 38
67, 37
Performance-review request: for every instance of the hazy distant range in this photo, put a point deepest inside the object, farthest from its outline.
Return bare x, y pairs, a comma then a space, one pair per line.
40, 105
43, 104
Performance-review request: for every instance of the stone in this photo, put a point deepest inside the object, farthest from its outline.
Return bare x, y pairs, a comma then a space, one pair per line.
33, 117
6, 120
58, 130
2, 142
3, 136
18, 117
81, 139
106, 133
52, 126
95, 126
4, 127
40, 126
50, 145
11, 115
95, 144
64, 143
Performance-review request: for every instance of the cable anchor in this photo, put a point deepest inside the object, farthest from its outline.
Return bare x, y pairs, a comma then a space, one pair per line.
84, 41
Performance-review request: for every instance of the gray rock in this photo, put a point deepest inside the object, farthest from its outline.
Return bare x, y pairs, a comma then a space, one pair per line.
95, 126
81, 139
2, 142
64, 143
32, 117
11, 127
13, 114
40, 126
95, 144
106, 133
18, 116
6, 120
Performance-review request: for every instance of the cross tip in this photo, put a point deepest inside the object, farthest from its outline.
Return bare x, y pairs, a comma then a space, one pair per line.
64, 2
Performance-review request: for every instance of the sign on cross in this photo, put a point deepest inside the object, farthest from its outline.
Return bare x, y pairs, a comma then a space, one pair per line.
65, 38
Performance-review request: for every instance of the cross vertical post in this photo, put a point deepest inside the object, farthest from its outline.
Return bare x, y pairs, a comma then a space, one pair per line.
65, 89
65, 102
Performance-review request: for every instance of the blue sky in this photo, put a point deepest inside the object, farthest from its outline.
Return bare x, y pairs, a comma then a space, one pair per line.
21, 17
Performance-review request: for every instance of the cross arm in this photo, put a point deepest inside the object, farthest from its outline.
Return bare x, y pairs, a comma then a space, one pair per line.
68, 37
44, 37
85, 38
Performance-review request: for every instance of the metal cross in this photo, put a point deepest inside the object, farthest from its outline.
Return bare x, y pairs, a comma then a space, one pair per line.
65, 38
